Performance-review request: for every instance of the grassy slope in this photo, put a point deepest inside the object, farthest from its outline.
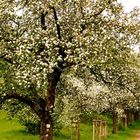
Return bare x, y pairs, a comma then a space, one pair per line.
12, 130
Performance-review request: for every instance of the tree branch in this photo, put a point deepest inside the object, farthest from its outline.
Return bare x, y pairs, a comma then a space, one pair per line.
99, 76
43, 22
101, 9
57, 25
24, 99
6, 59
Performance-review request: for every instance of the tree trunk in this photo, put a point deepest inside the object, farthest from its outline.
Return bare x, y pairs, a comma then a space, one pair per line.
114, 131
125, 121
136, 116
129, 119
46, 128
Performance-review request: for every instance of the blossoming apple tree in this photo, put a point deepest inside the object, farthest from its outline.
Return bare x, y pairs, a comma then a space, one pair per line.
42, 39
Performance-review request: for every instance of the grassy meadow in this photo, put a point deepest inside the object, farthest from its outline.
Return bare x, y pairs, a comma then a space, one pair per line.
128, 134
13, 130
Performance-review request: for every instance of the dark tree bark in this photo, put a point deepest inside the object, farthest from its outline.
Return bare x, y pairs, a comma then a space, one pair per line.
136, 116
115, 119
39, 107
46, 128
130, 117
46, 131
34, 105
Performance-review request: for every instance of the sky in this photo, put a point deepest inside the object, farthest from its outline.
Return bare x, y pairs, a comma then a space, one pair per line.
130, 4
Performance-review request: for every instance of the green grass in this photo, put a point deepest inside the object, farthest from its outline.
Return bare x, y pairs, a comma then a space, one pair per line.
85, 133
128, 134
13, 130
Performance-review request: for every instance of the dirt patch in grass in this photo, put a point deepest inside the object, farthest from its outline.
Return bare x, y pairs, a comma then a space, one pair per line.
138, 135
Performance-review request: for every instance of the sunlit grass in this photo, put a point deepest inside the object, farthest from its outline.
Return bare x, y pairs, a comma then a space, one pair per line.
128, 134
13, 130
85, 133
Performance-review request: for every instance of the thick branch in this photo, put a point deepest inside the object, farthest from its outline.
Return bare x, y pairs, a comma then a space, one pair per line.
24, 99
61, 50
57, 25
43, 23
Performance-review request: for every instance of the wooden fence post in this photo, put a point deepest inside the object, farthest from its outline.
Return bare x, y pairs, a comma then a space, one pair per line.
106, 129
71, 132
100, 129
76, 125
93, 129
77, 131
